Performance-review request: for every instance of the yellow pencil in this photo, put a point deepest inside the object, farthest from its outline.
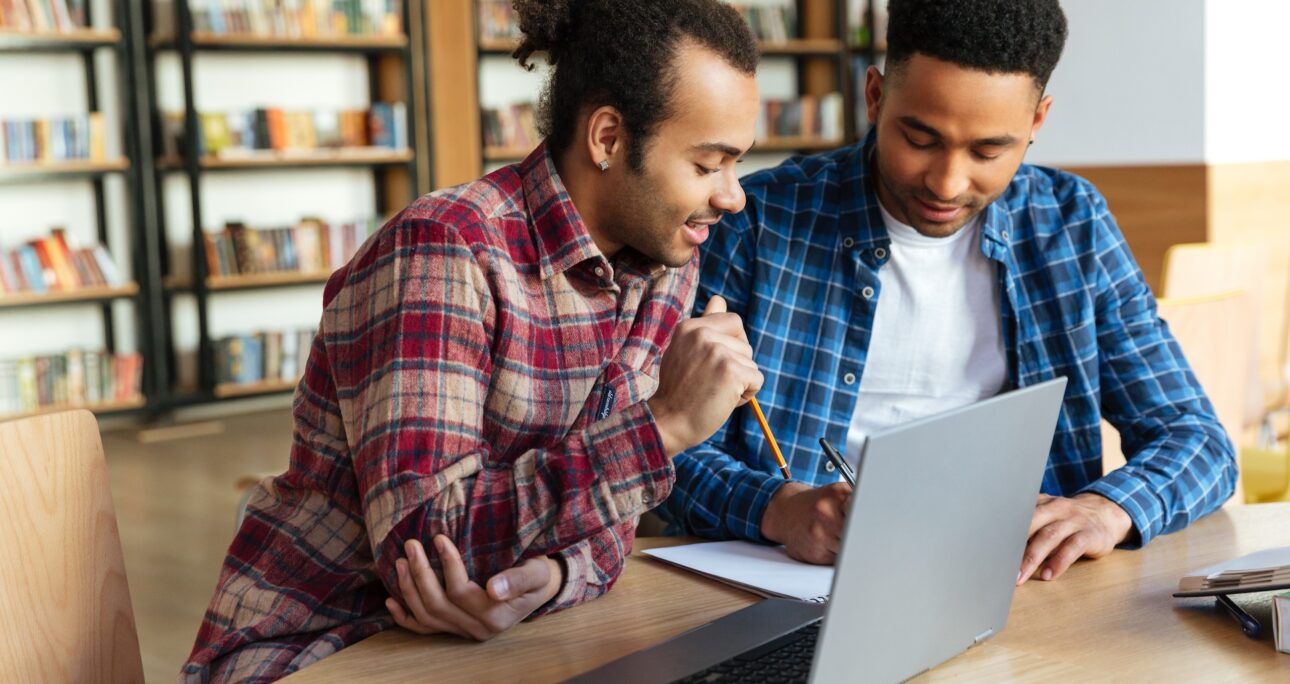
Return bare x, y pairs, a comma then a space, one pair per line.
774, 447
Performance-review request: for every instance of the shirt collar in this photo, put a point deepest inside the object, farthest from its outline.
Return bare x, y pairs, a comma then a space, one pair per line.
560, 236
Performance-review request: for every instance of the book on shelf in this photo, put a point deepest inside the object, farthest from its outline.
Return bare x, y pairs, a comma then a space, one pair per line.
265, 356
71, 379
43, 16
804, 117
50, 264
512, 127
272, 129
497, 20
287, 19
311, 246
770, 23
53, 139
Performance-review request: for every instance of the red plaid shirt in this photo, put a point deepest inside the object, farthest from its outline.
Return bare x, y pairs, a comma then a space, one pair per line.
480, 371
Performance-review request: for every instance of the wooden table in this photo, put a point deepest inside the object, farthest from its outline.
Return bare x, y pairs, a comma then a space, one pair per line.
1108, 619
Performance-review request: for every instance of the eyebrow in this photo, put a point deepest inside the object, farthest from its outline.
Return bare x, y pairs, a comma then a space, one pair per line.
723, 148
996, 141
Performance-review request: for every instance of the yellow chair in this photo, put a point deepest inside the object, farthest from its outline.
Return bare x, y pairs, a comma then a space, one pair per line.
64, 602
1201, 325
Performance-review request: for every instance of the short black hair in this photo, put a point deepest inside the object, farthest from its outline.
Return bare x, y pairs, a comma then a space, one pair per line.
995, 36
620, 53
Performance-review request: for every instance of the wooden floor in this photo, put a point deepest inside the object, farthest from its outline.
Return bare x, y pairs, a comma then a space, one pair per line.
176, 505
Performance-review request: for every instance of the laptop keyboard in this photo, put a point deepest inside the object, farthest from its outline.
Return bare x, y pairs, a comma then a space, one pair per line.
786, 659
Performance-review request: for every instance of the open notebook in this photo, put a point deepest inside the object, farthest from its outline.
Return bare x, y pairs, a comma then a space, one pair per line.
763, 570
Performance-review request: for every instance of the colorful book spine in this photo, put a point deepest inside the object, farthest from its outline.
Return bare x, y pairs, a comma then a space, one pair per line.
262, 356
52, 263
75, 378
53, 139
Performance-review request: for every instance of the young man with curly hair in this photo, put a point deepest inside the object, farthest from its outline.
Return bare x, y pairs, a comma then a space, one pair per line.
503, 367
927, 268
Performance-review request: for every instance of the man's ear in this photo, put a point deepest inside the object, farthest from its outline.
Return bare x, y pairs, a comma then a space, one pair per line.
1041, 115
873, 82
606, 138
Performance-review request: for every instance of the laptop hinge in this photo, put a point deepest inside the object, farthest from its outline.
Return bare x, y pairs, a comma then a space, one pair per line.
982, 636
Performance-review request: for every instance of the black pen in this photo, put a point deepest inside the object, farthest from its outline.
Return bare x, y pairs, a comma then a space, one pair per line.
836, 459
1249, 625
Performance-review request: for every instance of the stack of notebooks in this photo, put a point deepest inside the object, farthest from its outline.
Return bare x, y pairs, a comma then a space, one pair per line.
1267, 570
1260, 571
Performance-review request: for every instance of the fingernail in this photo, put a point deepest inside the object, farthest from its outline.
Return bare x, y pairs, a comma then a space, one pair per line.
399, 568
1048, 574
502, 587
1018, 577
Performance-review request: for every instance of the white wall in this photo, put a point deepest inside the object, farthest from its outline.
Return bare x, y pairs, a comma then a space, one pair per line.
1130, 87
1247, 103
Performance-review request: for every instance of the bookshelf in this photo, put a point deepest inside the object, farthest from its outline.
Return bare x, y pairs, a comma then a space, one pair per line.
815, 61
395, 69
76, 157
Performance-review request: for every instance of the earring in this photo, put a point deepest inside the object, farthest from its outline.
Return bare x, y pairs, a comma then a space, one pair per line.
604, 165
1032, 141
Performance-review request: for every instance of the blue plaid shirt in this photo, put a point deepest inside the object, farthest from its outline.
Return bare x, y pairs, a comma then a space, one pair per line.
800, 265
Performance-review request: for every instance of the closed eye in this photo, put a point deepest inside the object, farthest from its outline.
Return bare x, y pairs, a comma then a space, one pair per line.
917, 145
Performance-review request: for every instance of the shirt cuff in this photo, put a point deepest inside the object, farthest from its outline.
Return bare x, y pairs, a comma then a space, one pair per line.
751, 492
1131, 493
576, 563
636, 468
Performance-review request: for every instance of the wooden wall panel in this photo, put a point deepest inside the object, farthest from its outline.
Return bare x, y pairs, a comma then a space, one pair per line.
454, 91
1155, 206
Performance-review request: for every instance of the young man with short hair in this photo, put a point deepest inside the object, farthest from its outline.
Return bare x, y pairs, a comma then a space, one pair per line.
927, 268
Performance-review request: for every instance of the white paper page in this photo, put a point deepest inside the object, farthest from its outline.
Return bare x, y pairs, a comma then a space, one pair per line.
767, 568
1267, 559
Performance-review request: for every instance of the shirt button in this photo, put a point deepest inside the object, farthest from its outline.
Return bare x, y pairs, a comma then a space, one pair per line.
880, 253
1004, 235
600, 271
848, 243
828, 467
849, 379
867, 292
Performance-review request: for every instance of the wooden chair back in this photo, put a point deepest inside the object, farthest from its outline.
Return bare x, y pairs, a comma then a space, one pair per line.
65, 608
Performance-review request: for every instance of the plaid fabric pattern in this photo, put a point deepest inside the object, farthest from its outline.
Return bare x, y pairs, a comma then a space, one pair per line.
801, 263
480, 372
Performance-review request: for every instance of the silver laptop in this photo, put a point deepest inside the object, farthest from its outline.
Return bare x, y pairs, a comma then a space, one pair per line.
926, 570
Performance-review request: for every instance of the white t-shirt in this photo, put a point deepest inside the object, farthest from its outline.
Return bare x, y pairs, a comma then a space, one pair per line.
936, 342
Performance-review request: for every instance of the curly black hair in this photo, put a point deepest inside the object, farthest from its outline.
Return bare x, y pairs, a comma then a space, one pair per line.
620, 53
996, 36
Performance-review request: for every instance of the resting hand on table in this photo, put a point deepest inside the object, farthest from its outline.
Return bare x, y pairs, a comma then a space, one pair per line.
462, 607
1063, 530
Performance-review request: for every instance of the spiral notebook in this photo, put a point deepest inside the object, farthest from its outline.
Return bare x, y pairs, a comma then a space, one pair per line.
763, 570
